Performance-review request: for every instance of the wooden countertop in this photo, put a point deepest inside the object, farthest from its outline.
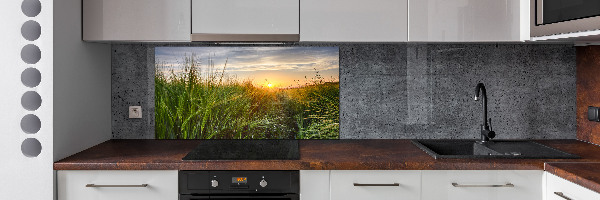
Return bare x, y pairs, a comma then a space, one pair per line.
332, 155
314, 155
581, 173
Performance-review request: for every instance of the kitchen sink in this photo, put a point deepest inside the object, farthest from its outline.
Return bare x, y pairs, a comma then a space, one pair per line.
440, 149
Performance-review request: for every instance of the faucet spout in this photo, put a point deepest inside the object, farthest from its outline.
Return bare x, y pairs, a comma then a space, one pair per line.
486, 132
481, 88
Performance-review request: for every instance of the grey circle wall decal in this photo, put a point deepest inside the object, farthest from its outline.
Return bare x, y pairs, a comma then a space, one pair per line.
31, 8
31, 77
31, 124
31, 30
31, 147
31, 100
31, 54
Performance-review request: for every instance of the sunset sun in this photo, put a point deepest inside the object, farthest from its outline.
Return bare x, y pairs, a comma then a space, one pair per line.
270, 85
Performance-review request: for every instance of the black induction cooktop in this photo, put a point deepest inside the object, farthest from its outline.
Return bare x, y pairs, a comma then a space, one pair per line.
245, 150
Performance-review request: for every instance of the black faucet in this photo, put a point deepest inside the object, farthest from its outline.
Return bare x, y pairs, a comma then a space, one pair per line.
486, 129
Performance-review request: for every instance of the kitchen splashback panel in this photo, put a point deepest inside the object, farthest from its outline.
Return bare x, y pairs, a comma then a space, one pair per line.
407, 90
246, 93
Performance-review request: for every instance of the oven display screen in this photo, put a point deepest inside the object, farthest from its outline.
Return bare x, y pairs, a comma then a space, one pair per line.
239, 180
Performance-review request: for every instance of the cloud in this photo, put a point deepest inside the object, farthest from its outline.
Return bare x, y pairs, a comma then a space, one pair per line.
243, 59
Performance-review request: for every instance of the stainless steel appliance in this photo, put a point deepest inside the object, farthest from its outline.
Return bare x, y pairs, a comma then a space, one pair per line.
554, 17
234, 185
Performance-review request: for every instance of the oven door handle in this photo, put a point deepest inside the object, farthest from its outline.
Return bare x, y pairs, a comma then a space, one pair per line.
251, 197
191, 197
194, 197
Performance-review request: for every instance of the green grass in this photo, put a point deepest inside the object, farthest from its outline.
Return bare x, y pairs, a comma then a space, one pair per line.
203, 103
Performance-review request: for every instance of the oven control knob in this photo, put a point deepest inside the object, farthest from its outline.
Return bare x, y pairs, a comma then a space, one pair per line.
214, 183
263, 183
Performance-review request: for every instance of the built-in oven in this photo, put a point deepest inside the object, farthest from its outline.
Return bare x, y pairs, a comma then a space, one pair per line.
554, 17
235, 185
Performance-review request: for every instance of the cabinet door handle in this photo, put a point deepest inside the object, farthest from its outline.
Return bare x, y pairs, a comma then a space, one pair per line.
560, 194
94, 185
368, 184
505, 185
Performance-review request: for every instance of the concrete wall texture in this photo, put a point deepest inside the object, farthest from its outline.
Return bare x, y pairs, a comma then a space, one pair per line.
405, 91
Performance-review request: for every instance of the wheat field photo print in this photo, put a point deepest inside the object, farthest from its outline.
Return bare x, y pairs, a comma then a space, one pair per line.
247, 92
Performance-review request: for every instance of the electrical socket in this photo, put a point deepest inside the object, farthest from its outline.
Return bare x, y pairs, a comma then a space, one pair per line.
135, 112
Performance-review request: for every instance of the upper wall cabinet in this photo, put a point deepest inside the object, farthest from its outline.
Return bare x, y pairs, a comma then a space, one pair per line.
354, 20
245, 20
468, 20
136, 20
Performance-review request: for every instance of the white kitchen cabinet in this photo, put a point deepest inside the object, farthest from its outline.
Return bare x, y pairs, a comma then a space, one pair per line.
117, 185
354, 20
482, 184
468, 20
561, 189
136, 20
314, 184
243, 20
378, 184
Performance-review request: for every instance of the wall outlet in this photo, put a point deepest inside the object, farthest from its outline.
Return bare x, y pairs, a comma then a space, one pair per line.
135, 112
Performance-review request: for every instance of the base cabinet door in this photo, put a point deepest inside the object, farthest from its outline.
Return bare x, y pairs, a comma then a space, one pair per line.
314, 185
375, 185
482, 184
117, 185
560, 189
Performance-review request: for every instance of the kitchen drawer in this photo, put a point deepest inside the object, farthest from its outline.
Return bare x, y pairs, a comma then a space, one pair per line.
568, 189
162, 185
408, 184
482, 184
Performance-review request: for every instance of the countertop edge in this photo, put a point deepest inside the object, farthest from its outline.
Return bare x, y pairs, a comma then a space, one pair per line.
578, 179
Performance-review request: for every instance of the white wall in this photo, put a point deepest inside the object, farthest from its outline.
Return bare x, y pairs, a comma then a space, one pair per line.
24, 177
82, 84
75, 92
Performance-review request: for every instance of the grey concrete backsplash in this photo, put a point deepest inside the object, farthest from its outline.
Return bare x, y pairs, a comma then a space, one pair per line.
395, 91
